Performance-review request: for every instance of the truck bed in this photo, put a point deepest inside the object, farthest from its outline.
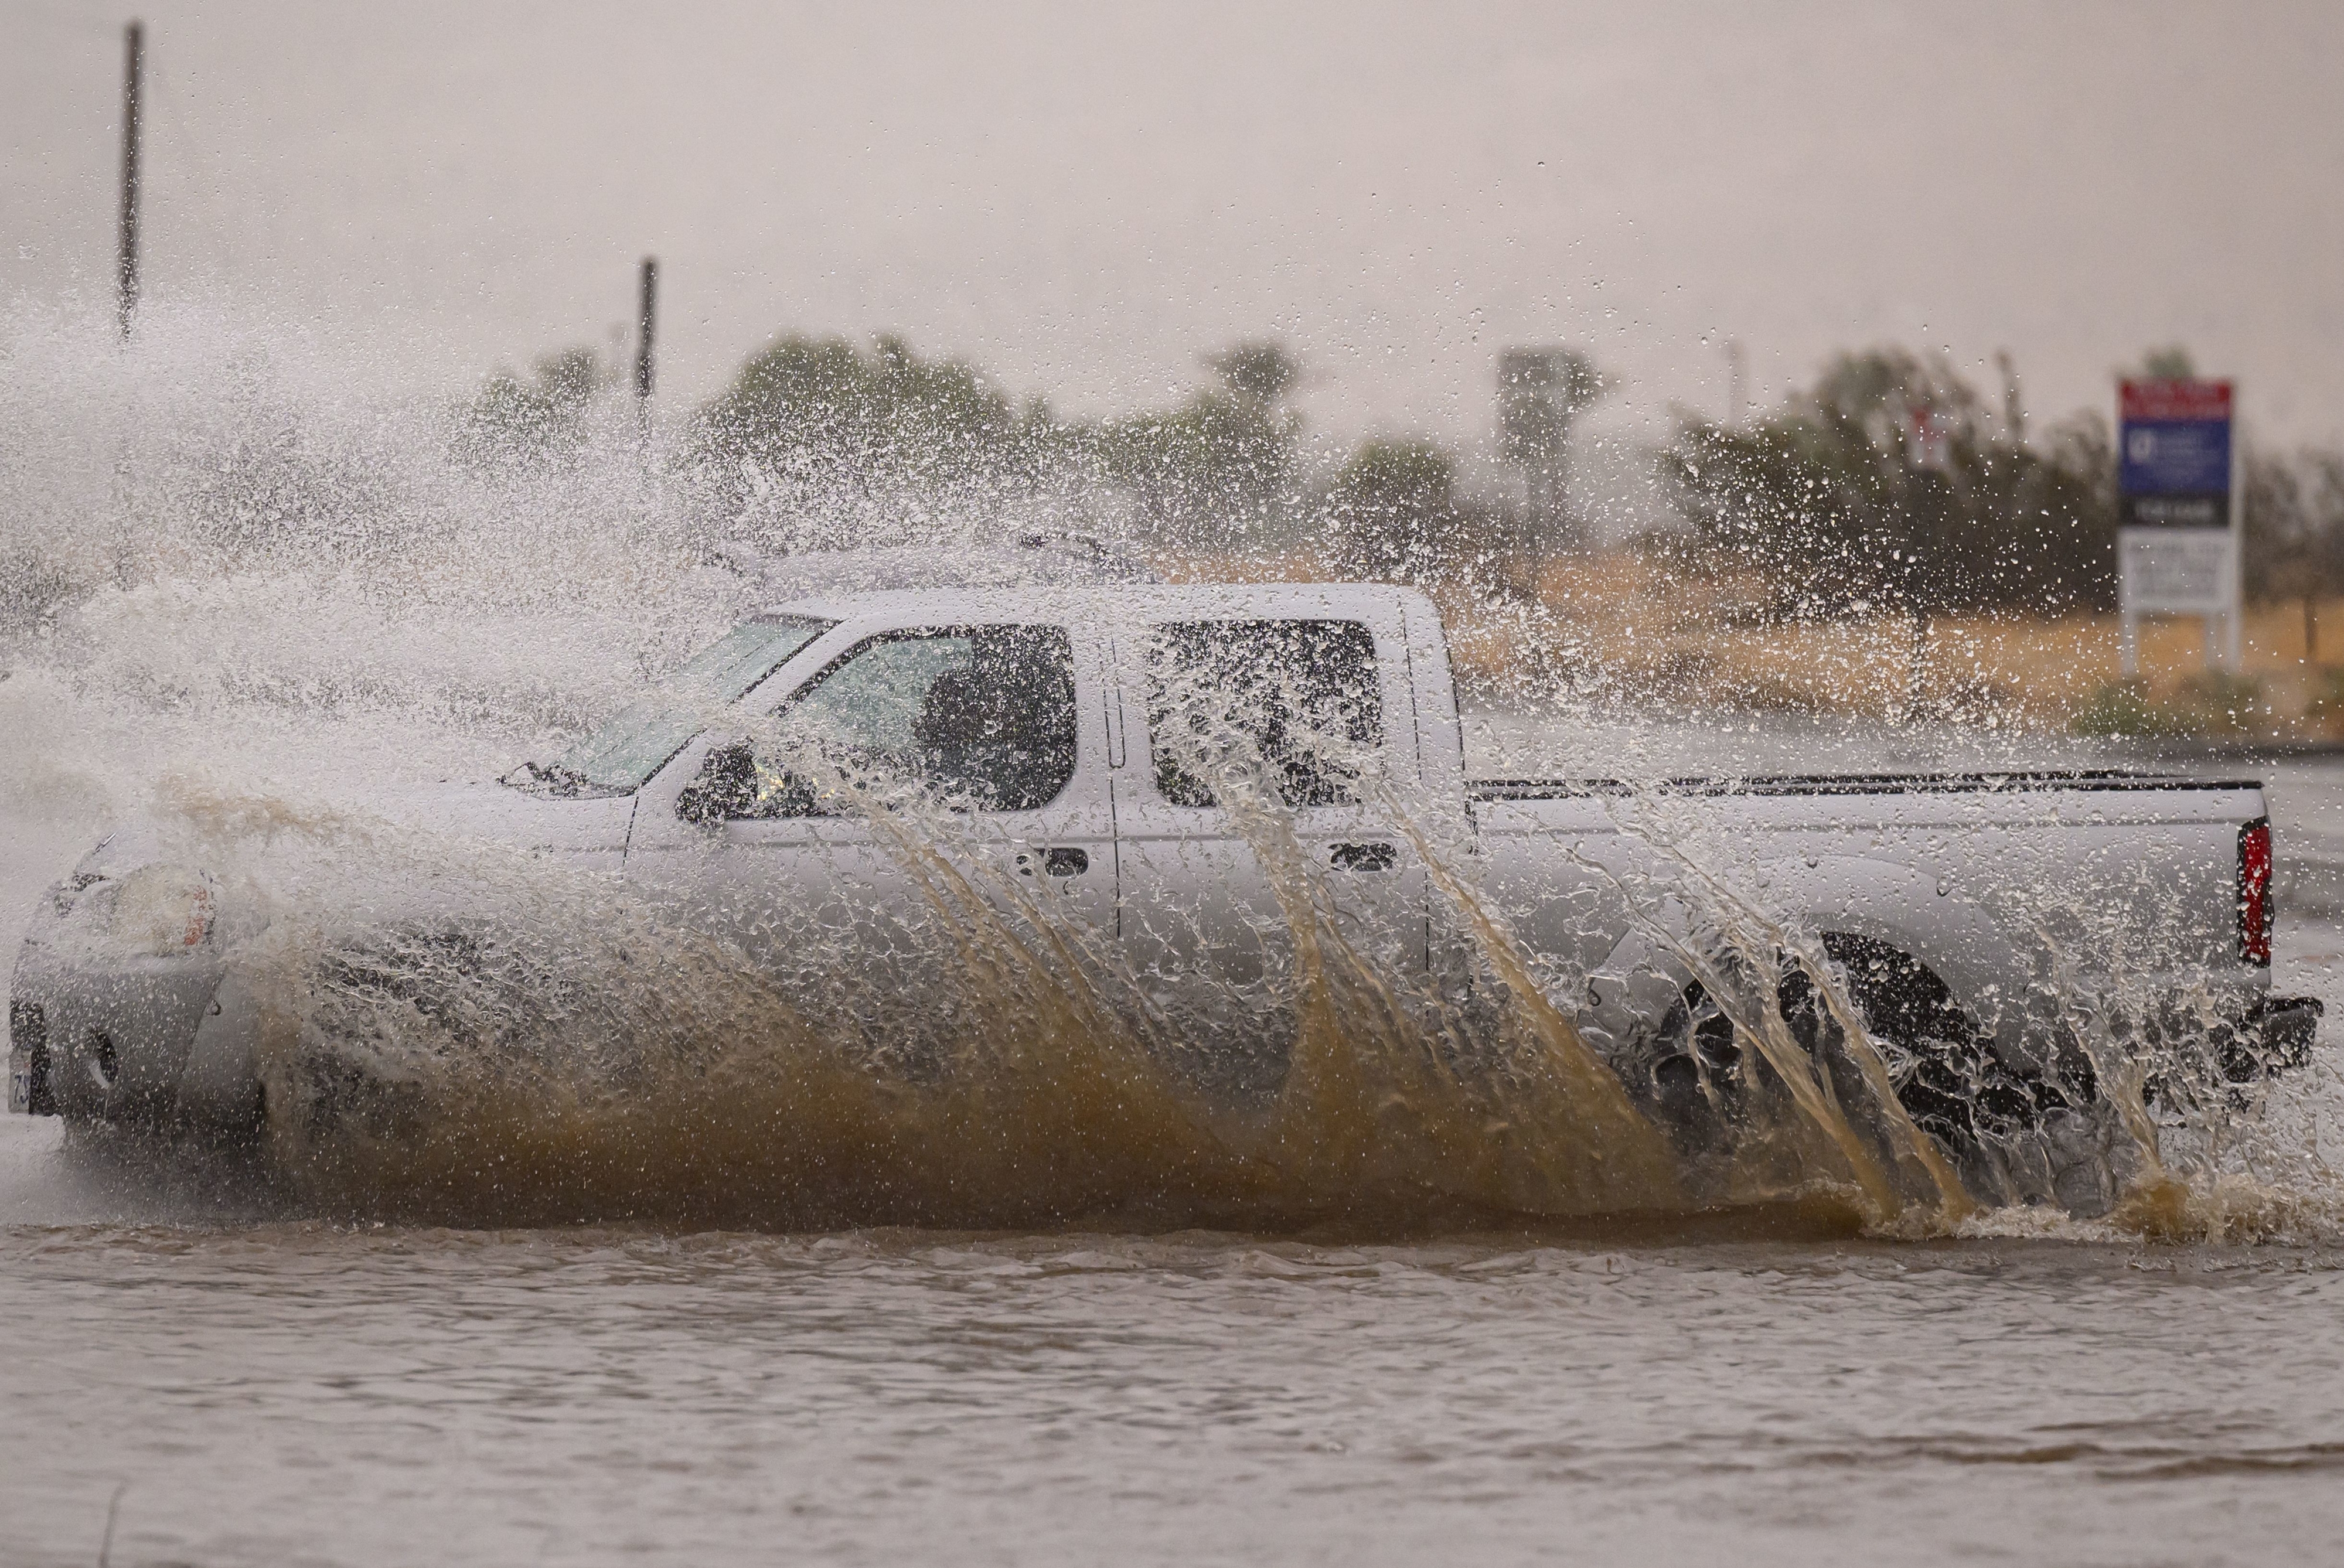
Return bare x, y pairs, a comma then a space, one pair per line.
1851, 784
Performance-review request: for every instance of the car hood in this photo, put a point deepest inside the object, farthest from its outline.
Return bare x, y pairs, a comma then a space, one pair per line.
251, 879
595, 825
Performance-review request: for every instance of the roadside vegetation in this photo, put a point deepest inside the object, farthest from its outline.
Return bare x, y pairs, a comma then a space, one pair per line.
1894, 540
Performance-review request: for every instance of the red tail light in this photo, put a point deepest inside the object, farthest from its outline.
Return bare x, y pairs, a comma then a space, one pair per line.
2255, 892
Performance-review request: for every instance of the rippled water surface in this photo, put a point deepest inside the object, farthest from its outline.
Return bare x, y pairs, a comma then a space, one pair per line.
295, 1392
240, 1386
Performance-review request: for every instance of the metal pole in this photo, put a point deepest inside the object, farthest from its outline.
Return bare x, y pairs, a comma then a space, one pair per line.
1917, 671
126, 261
646, 320
2233, 619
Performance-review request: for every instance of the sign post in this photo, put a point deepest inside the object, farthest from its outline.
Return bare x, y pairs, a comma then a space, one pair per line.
2178, 534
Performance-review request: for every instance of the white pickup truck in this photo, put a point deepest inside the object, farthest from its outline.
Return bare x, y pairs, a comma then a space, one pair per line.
1142, 757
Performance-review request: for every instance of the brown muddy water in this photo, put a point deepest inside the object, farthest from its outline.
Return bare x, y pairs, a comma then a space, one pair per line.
280, 1392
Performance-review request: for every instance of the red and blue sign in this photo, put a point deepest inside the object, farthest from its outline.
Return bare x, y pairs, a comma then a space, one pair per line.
2173, 453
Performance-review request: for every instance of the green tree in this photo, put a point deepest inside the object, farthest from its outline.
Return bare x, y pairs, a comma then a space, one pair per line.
2292, 547
1892, 482
826, 442
1219, 469
514, 419
1262, 371
2170, 363
821, 406
1393, 514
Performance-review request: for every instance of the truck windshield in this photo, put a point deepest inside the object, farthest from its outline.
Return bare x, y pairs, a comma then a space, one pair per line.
618, 757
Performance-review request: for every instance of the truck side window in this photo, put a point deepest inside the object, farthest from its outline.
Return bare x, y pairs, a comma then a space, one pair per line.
1294, 702
981, 716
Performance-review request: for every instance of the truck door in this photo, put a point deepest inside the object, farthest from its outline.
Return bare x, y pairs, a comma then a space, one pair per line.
1254, 748
928, 758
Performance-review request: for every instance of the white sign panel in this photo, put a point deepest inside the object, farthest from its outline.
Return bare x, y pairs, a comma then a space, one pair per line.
2175, 571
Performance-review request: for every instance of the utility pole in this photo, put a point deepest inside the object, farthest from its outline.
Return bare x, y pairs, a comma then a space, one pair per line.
126, 261
1733, 400
646, 320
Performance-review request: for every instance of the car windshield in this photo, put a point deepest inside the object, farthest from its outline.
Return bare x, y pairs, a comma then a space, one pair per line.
618, 757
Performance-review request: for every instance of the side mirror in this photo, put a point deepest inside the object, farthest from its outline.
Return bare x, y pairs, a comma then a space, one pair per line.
726, 788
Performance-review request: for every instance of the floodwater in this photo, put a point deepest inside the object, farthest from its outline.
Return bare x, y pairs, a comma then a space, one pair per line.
193, 1369
240, 1386
299, 1393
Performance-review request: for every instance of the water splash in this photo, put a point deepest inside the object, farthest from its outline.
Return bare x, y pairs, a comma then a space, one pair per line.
238, 593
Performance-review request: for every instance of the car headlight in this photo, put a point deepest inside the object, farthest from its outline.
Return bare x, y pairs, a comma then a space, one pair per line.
163, 911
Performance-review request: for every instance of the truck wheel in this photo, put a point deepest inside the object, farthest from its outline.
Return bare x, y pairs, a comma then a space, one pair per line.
40, 1096
1686, 1068
1948, 1076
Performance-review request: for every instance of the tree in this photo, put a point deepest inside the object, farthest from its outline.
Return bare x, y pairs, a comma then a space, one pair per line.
820, 439
516, 418
823, 405
1541, 391
2292, 544
1891, 481
1214, 472
1393, 514
2170, 363
1263, 373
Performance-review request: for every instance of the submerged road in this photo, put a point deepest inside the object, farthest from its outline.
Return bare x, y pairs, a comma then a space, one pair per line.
266, 1388
290, 1393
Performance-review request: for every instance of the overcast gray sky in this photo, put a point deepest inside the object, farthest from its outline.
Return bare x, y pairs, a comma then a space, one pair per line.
1082, 198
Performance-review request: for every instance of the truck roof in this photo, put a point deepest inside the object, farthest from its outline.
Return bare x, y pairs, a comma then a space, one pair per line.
1139, 599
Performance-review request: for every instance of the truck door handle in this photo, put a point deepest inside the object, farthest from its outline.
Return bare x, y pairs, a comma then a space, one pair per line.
1364, 857
1058, 861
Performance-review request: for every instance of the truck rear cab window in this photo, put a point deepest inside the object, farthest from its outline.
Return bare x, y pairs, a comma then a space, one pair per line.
1294, 705
980, 717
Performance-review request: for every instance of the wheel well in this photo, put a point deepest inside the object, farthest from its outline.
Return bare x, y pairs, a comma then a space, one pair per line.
29, 1031
1949, 1077
1900, 998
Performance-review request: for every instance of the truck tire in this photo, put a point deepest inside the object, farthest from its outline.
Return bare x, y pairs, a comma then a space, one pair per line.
1947, 1074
